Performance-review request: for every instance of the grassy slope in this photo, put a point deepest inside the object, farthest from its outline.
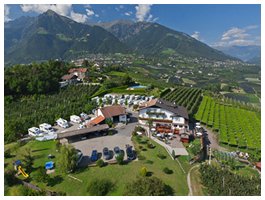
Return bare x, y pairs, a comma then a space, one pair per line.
120, 175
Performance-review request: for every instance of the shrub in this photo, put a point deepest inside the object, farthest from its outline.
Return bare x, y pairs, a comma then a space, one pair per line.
7, 153
110, 132
161, 156
9, 178
141, 157
100, 187
150, 145
100, 163
139, 128
144, 141
120, 159
41, 175
143, 171
148, 186
149, 162
167, 171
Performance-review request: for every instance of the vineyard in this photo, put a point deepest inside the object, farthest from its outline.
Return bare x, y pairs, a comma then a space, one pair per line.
237, 127
33, 110
184, 96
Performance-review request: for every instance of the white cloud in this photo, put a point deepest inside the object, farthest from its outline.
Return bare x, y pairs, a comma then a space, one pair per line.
149, 18
62, 9
251, 27
155, 19
238, 36
142, 11
120, 7
128, 13
234, 33
96, 15
90, 12
78, 17
7, 12
196, 35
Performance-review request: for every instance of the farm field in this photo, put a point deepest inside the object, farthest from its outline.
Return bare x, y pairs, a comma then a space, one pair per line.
120, 175
237, 127
248, 98
187, 97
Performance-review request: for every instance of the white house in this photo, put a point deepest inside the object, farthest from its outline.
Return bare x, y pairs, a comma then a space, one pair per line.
165, 115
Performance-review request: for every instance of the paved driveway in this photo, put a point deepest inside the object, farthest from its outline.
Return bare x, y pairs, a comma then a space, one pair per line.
120, 139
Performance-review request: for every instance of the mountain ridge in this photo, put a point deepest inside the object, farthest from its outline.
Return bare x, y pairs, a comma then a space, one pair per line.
51, 36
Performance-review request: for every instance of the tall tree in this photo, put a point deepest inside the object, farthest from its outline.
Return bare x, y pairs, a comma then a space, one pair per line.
67, 159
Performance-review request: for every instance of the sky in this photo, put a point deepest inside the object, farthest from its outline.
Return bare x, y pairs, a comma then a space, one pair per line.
215, 25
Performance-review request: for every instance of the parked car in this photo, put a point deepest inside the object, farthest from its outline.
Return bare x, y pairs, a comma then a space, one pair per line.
117, 151
106, 153
130, 153
94, 156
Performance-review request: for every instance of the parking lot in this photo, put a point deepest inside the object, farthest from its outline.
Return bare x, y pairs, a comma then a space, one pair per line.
120, 139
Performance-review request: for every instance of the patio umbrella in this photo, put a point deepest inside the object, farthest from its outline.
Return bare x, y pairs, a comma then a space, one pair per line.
153, 129
170, 134
158, 135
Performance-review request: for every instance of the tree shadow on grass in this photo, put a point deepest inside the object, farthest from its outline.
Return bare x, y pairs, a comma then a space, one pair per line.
149, 174
36, 150
55, 180
169, 190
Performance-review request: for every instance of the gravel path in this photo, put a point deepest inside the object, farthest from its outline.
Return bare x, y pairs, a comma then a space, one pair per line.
189, 181
214, 141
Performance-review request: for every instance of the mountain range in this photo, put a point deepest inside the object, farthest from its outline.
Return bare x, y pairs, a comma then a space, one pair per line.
251, 53
52, 36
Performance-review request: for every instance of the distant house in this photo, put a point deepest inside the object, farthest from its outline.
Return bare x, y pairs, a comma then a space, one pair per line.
69, 79
115, 113
81, 73
75, 75
166, 116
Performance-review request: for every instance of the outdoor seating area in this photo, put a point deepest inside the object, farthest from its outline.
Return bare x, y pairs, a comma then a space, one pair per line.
165, 128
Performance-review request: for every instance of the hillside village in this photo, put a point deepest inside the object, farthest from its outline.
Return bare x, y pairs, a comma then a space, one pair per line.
118, 121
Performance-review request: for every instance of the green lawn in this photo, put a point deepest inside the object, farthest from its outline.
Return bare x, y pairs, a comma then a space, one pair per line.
188, 81
119, 174
116, 73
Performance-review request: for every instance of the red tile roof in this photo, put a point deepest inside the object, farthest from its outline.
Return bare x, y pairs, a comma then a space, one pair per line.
111, 111
96, 120
68, 76
82, 70
258, 165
